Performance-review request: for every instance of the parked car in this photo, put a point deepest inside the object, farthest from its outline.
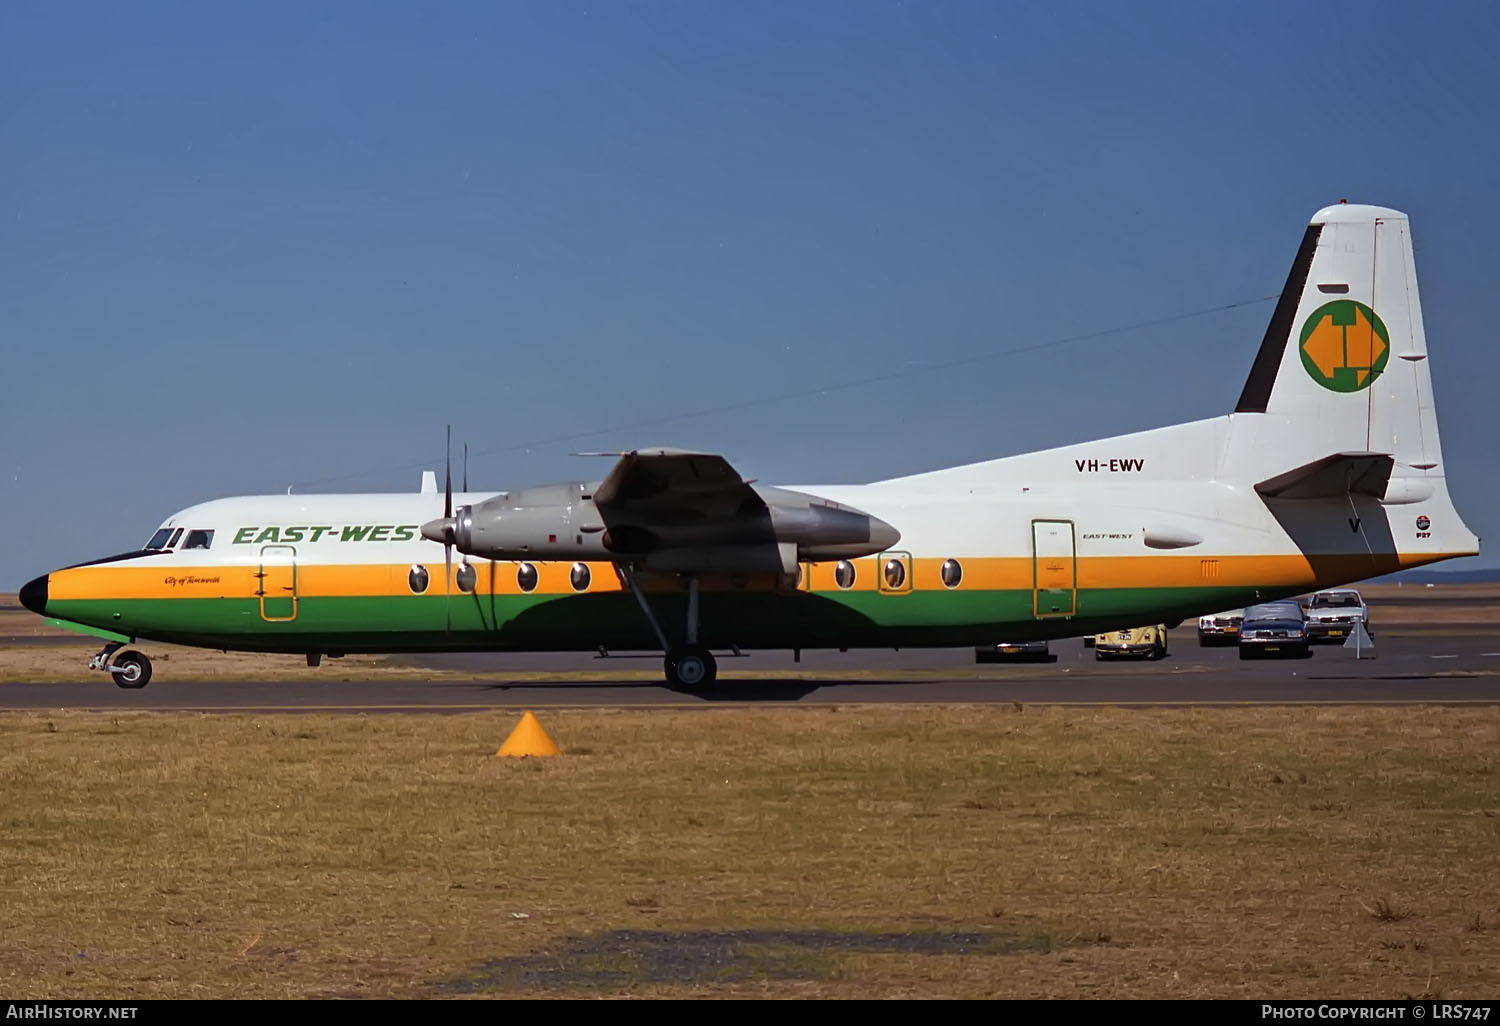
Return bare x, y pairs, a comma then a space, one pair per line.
1141, 642
1019, 651
1274, 629
1220, 628
1332, 614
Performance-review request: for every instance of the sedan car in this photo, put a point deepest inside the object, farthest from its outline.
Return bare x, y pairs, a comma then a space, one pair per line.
1017, 651
1274, 629
1331, 615
1220, 628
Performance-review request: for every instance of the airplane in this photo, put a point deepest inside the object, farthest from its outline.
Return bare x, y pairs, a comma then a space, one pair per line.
1328, 471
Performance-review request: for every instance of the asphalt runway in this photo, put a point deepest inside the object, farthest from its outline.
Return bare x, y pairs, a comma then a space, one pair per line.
1437, 666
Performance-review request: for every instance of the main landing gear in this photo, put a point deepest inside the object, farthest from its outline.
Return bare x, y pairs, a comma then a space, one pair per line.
690, 666
130, 669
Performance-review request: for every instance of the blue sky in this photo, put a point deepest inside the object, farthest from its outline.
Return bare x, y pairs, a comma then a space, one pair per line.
254, 246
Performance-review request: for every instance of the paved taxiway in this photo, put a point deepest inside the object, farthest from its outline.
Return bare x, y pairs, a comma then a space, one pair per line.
1429, 667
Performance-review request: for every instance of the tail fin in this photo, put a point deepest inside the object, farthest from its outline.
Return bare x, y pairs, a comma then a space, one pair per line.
1341, 388
1344, 361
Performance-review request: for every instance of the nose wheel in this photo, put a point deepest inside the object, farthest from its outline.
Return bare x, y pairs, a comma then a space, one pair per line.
131, 670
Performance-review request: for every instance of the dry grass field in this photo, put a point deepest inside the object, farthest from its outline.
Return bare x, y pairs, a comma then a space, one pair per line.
827, 852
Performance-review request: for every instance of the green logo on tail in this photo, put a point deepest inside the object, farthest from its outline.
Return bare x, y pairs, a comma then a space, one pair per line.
1345, 346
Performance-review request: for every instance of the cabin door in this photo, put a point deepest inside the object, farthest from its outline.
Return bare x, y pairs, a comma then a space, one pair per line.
1054, 569
276, 583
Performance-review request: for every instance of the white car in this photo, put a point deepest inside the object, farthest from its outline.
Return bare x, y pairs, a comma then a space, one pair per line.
1220, 628
1332, 614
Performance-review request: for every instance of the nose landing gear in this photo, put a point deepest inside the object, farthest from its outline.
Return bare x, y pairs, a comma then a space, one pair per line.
130, 669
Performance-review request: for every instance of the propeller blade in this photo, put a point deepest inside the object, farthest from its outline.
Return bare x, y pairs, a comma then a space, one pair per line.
466, 467
448, 532
448, 475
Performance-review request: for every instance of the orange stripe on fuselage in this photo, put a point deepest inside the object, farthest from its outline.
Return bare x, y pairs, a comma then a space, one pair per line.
1014, 573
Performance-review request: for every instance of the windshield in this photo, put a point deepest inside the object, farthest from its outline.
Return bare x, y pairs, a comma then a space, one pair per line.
1344, 601
1278, 625
1276, 612
159, 539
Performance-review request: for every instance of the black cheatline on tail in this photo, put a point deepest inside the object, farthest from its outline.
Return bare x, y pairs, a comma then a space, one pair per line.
1257, 391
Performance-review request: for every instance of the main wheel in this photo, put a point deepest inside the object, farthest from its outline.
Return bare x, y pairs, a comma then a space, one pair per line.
691, 668
131, 670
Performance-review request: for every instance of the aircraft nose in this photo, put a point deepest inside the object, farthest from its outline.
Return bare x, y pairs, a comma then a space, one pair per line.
33, 594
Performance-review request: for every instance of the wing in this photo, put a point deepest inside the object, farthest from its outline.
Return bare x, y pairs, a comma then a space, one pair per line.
691, 512
670, 487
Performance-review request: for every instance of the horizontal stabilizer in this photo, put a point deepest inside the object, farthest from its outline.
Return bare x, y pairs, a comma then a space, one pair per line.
1332, 477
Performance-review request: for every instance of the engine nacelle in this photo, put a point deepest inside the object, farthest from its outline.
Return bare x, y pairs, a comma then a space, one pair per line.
821, 530
561, 522
551, 522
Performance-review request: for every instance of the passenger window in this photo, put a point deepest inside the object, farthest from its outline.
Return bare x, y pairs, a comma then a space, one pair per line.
467, 577
526, 577
199, 540
579, 577
416, 579
843, 574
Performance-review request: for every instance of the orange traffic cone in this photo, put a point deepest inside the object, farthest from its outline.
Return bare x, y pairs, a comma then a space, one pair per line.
528, 739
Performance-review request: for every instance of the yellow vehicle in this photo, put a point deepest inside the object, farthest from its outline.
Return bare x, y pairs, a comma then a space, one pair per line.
1137, 642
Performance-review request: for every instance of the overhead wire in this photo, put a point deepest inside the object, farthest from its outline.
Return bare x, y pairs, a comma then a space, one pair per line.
805, 393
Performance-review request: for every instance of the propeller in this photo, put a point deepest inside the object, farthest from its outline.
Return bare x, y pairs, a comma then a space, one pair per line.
449, 531
445, 529
465, 562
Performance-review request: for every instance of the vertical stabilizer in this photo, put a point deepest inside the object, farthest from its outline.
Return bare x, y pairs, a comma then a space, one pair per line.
1341, 387
1343, 365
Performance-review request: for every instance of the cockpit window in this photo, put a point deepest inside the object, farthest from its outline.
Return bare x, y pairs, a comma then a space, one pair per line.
176, 537
199, 540
159, 539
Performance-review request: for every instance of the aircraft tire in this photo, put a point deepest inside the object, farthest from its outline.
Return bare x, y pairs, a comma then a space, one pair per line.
691, 668
131, 669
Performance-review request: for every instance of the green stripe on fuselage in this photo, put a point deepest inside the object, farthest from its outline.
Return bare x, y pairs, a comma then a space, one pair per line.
752, 619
